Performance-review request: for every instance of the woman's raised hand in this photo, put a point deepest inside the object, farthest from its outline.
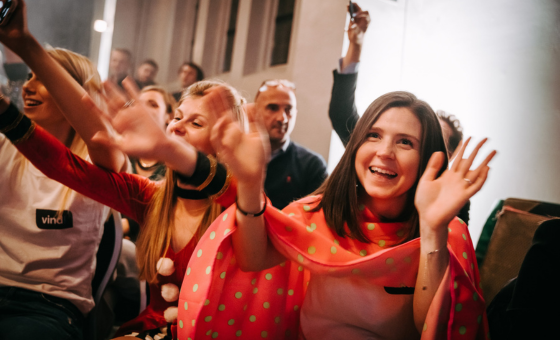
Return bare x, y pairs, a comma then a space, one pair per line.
439, 200
136, 131
245, 152
15, 30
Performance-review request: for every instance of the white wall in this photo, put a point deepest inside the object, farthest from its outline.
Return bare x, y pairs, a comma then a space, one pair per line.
317, 36
495, 64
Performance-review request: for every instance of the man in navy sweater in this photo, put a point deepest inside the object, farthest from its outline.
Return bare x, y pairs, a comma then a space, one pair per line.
293, 171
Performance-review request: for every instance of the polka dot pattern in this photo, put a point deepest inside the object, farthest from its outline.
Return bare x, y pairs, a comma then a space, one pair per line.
314, 248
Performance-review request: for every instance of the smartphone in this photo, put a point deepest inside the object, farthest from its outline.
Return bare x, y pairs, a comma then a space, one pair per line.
351, 10
6, 9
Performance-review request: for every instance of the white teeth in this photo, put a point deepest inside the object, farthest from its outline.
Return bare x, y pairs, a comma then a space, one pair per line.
382, 171
32, 102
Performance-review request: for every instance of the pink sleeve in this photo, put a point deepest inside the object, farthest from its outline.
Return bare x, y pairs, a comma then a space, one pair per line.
129, 194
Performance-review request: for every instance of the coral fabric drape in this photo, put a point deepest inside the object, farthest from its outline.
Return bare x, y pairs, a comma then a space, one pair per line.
218, 300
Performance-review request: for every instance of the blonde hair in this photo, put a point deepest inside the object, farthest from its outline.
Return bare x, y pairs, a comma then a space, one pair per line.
157, 230
85, 73
235, 100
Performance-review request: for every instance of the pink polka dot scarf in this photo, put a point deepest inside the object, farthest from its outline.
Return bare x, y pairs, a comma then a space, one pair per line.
218, 300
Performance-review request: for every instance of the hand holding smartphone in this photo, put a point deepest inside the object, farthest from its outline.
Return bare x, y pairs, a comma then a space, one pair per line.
7, 7
351, 10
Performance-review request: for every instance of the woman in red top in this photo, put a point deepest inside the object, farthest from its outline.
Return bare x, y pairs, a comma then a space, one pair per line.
172, 213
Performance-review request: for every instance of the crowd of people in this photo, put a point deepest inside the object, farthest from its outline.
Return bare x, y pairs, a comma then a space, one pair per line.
237, 230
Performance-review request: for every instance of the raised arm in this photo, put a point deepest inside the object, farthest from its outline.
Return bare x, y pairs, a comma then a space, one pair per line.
438, 200
66, 91
246, 154
139, 134
342, 108
123, 192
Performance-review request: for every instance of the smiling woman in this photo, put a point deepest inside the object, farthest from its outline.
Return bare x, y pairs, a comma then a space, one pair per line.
350, 258
173, 213
45, 224
387, 162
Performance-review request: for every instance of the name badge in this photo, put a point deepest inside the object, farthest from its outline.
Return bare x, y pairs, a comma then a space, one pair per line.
52, 219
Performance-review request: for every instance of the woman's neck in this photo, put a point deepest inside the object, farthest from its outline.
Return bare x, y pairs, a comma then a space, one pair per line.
194, 208
387, 209
188, 216
146, 163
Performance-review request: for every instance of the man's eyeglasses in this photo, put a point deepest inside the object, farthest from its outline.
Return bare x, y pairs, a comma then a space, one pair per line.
277, 82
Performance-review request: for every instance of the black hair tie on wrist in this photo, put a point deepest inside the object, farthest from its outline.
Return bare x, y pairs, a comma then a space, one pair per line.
248, 214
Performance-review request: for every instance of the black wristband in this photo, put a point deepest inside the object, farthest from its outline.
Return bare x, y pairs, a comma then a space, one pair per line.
209, 176
15, 125
248, 214
201, 171
10, 118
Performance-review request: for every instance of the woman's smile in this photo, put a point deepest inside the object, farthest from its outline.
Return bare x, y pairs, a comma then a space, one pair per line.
388, 160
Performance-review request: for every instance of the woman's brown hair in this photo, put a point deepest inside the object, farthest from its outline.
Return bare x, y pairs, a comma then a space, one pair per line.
340, 191
156, 233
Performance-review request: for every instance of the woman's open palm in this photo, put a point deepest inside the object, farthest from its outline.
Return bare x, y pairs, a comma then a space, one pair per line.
439, 200
246, 153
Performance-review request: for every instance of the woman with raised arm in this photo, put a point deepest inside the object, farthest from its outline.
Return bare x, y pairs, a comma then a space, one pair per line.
173, 213
377, 253
64, 89
50, 233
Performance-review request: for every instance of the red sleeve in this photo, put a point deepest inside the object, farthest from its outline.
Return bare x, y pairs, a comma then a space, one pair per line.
129, 194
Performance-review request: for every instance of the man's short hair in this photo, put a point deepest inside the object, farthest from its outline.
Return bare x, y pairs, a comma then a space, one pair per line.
456, 129
199, 72
150, 62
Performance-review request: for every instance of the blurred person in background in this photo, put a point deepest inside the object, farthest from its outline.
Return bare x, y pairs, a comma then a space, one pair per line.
146, 73
189, 73
120, 64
